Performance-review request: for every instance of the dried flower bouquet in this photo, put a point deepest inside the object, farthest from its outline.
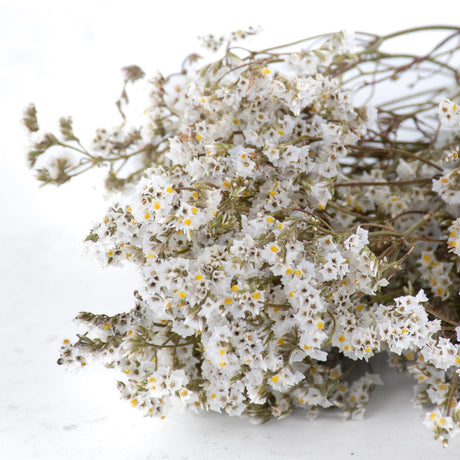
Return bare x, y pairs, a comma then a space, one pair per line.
292, 212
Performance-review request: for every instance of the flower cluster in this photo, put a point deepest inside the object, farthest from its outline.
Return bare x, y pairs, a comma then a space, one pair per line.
283, 234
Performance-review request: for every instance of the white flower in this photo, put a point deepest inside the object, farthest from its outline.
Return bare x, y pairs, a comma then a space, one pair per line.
442, 353
356, 242
271, 252
405, 325
447, 187
449, 114
453, 240
241, 161
440, 424
285, 379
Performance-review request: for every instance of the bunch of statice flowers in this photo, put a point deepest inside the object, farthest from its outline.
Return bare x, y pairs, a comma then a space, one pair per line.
291, 212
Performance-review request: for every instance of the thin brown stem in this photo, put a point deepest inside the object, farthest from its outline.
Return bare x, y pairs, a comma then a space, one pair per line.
451, 394
399, 183
441, 317
401, 261
401, 152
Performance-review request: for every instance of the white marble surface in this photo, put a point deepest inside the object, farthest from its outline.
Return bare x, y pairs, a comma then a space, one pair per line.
66, 57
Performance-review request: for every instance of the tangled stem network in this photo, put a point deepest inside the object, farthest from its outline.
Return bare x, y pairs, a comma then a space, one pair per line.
292, 212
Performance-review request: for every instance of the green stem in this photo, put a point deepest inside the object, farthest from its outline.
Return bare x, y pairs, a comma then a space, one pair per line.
412, 96
278, 305
296, 42
401, 261
174, 345
385, 233
389, 183
423, 220
348, 211
418, 29
397, 152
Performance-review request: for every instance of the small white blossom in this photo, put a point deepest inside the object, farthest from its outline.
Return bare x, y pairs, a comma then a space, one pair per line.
449, 114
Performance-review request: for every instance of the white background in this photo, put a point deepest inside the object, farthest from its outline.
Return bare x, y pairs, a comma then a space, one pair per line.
65, 56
